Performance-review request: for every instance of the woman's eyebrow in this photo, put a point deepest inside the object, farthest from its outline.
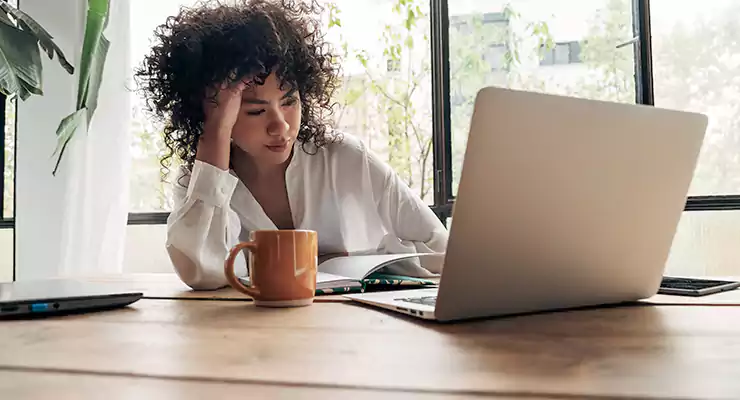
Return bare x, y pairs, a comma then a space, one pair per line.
254, 100
290, 93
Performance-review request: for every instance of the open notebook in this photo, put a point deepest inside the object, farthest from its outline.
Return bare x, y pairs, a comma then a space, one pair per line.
353, 273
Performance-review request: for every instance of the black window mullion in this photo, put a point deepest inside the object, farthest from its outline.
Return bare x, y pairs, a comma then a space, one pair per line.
644, 87
148, 218
441, 125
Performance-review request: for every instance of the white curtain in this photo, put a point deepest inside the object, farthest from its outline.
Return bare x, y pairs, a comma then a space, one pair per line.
74, 223
95, 217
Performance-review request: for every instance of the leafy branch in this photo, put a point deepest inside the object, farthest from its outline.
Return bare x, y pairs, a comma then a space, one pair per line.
21, 70
20, 56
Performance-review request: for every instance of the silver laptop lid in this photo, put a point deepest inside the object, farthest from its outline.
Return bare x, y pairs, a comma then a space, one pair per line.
565, 202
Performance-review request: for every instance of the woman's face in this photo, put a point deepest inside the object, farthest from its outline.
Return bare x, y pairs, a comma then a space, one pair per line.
268, 122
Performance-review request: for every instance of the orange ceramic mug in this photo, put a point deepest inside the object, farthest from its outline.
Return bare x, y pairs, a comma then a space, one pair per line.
282, 267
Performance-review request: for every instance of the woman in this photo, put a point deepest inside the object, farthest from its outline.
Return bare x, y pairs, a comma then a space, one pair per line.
245, 93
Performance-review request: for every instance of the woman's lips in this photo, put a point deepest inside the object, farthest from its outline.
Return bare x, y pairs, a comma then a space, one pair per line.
278, 148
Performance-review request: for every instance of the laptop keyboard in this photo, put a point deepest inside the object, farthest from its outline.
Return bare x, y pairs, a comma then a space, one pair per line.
426, 300
668, 282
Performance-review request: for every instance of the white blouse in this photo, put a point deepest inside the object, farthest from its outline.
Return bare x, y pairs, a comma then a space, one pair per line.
352, 199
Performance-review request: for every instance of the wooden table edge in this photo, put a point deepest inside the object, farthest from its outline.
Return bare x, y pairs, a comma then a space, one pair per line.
380, 389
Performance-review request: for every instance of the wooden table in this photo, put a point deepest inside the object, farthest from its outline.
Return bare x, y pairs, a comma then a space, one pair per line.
168, 286
179, 348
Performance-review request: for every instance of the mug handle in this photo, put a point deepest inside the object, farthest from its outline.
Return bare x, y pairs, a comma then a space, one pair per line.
251, 290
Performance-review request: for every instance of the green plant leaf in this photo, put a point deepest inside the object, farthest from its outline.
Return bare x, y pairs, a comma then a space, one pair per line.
66, 129
27, 90
44, 38
5, 19
20, 62
96, 76
94, 50
92, 64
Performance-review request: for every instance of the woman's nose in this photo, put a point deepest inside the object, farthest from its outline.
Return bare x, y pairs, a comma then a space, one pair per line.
277, 126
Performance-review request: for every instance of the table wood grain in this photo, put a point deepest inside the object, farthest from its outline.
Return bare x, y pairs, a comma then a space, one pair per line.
631, 351
161, 286
729, 298
45, 385
169, 286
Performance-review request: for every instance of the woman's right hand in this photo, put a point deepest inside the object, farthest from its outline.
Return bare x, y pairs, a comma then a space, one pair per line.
221, 114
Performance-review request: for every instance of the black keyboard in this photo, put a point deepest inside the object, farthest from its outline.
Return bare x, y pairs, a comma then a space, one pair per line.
426, 300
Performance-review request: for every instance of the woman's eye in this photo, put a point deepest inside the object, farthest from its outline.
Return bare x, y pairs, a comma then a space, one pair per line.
289, 102
256, 112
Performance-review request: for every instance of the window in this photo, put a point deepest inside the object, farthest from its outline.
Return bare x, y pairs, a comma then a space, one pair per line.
149, 193
8, 161
561, 54
412, 69
490, 30
685, 56
574, 52
7, 165
393, 65
384, 98
563, 47
696, 57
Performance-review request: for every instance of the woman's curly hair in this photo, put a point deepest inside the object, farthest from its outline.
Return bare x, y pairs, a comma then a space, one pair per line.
212, 43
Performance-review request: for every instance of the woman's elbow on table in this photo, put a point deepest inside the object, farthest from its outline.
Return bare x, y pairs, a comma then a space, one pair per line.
193, 273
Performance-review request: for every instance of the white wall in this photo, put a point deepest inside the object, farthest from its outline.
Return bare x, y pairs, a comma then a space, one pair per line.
145, 251
706, 244
6, 255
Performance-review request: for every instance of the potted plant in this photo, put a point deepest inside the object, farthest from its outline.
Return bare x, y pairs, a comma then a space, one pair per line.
21, 42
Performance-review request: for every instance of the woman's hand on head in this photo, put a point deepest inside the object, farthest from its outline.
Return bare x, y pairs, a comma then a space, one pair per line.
221, 108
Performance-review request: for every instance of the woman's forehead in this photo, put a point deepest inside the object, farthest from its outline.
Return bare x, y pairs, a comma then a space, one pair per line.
270, 86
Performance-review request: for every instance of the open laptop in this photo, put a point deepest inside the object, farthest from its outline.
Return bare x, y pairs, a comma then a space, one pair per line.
562, 203
59, 296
